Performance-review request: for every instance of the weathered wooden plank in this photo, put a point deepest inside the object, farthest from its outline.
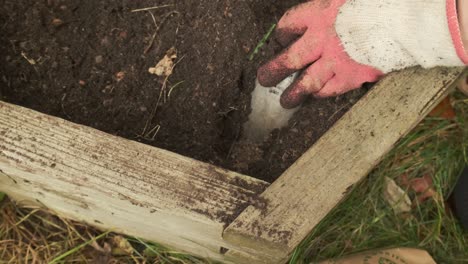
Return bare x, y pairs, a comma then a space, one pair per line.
117, 184
321, 178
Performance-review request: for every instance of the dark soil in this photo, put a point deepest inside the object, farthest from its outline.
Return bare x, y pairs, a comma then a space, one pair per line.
85, 61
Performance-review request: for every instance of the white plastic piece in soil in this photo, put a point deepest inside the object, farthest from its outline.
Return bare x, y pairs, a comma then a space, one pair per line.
267, 113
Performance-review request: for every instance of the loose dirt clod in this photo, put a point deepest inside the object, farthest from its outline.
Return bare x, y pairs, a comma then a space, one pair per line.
120, 76
99, 59
57, 22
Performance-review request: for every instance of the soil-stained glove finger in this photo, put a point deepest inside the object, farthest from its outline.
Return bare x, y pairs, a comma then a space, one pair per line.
310, 82
334, 87
293, 24
298, 56
293, 97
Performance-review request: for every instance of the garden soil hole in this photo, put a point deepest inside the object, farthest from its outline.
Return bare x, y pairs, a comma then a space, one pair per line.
87, 61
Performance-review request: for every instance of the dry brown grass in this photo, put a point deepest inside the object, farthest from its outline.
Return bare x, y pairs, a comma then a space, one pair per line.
33, 235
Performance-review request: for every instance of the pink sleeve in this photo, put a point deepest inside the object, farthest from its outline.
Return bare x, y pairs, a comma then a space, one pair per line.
463, 19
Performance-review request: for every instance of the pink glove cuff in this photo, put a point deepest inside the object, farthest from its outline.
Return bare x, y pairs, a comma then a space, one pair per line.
454, 27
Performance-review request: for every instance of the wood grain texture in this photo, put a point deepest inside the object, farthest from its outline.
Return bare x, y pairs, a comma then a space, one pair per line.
321, 178
117, 184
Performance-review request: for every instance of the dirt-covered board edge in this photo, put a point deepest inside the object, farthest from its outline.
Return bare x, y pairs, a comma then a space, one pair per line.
120, 185
325, 174
127, 187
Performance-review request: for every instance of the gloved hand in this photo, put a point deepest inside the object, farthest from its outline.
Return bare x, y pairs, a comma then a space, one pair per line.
339, 44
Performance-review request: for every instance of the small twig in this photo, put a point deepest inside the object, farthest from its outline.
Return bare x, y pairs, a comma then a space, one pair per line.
338, 111
172, 88
149, 8
162, 95
150, 118
154, 19
30, 61
231, 148
158, 27
153, 131
226, 113
153, 113
167, 78
262, 42
63, 106
27, 216
76, 249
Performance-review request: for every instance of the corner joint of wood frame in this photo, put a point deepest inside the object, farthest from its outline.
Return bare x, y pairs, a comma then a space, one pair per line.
274, 252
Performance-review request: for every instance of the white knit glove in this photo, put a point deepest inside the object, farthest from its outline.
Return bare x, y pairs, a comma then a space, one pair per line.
340, 44
395, 34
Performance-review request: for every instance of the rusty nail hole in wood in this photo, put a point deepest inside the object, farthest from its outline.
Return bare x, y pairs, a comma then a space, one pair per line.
223, 250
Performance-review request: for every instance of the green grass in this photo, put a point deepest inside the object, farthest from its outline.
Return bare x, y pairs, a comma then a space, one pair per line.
262, 42
363, 222
76, 249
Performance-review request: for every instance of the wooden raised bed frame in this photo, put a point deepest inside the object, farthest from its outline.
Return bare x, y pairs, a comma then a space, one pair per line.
124, 186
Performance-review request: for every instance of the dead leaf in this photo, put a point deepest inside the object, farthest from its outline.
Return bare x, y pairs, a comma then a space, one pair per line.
463, 86
121, 246
99, 254
166, 65
349, 244
106, 249
396, 197
444, 110
422, 186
